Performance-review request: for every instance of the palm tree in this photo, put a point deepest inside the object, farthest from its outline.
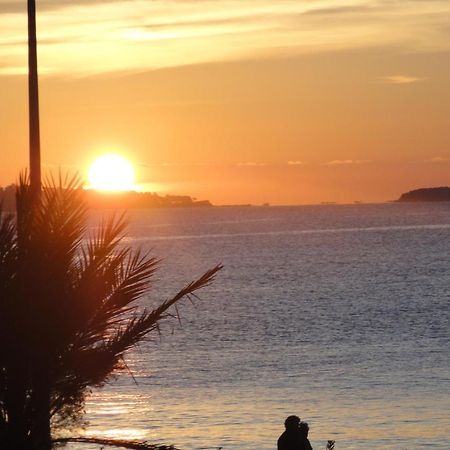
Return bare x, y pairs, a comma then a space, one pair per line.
68, 310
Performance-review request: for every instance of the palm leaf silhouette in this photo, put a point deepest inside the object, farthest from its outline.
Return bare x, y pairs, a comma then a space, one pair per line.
68, 309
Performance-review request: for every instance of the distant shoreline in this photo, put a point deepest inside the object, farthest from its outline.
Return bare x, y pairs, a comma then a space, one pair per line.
150, 200
118, 200
436, 194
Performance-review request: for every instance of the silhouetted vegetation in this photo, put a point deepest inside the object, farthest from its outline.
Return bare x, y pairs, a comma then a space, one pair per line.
131, 200
113, 200
438, 194
68, 310
8, 198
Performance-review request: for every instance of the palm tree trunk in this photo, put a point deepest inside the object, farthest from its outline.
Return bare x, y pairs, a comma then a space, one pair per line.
40, 436
33, 101
16, 407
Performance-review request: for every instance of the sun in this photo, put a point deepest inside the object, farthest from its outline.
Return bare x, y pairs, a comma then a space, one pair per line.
111, 172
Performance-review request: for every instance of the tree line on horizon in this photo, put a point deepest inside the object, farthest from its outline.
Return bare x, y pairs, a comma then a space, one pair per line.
112, 200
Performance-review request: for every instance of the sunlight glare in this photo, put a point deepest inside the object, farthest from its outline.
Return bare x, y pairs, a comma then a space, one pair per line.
111, 172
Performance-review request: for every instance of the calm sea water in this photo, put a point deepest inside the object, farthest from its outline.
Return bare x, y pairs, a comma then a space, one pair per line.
339, 314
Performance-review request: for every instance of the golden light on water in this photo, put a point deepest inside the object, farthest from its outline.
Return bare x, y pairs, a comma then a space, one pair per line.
119, 433
111, 172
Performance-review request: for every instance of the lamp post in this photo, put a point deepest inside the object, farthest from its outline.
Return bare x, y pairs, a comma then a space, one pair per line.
33, 101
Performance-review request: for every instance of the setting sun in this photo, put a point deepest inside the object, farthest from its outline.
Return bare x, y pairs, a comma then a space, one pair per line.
111, 173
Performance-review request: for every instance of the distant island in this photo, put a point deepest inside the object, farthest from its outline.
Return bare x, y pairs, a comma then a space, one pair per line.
121, 200
437, 194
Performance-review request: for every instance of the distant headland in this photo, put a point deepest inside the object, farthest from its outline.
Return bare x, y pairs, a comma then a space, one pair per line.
437, 194
121, 200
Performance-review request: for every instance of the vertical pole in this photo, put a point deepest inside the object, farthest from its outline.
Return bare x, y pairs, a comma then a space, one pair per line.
33, 101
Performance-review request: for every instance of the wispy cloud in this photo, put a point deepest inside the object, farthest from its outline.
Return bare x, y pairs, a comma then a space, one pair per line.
437, 159
182, 164
296, 163
401, 79
251, 164
341, 162
94, 36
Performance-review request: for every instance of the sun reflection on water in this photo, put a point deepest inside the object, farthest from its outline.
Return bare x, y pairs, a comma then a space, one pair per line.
230, 377
118, 433
194, 418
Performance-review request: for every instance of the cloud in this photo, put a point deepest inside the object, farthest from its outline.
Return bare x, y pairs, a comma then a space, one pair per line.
437, 159
342, 162
251, 164
181, 164
142, 35
20, 6
296, 163
401, 79
340, 10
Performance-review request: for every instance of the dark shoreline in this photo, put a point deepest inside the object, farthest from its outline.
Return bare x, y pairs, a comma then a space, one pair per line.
437, 194
118, 200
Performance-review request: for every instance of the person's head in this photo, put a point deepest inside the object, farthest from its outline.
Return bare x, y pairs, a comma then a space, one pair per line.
303, 428
292, 422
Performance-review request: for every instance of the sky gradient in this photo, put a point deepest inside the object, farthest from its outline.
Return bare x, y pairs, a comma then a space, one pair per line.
237, 101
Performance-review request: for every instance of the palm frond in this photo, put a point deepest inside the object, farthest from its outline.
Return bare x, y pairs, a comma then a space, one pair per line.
132, 280
139, 327
69, 307
8, 247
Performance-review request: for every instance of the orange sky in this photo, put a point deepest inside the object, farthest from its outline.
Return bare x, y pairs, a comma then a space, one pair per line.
237, 101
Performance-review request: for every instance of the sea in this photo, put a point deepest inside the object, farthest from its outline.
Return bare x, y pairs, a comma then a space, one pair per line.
336, 313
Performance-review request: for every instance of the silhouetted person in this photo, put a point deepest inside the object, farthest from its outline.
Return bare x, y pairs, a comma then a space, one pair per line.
303, 429
291, 439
